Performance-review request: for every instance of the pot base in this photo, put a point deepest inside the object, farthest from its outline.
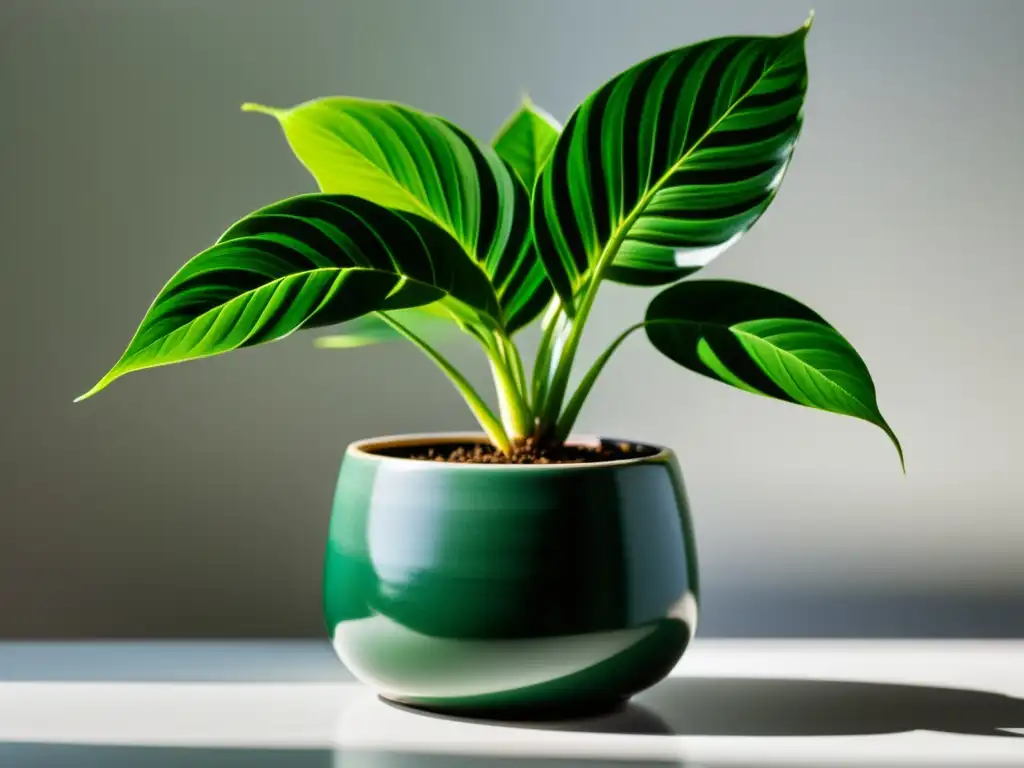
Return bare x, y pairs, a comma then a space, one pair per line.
585, 709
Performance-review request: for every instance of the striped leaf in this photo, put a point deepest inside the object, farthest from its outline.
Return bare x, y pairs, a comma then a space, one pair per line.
526, 140
305, 262
763, 342
670, 162
407, 160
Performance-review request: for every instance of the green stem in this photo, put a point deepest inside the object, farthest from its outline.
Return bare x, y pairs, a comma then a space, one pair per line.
560, 381
519, 374
495, 432
568, 418
515, 416
554, 325
552, 405
506, 368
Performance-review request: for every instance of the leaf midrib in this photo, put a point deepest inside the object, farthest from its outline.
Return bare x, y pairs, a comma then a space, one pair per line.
804, 364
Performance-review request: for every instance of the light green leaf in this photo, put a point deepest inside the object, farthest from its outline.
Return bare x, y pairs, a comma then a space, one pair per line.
372, 329
411, 161
763, 342
305, 262
526, 139
669, 163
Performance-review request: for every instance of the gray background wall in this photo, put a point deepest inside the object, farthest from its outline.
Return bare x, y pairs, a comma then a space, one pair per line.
194, 500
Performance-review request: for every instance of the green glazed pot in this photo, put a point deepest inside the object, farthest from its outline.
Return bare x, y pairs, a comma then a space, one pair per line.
509, 589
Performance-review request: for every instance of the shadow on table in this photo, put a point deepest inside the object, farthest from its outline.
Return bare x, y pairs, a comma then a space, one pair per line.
783, 707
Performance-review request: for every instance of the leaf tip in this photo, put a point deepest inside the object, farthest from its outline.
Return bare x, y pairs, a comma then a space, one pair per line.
251, 106
896, 443
809, 21
87, 395
99, 385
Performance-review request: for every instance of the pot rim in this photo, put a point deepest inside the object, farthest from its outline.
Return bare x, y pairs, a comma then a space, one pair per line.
363, 449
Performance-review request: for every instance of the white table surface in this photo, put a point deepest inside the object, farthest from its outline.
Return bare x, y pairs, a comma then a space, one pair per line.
729, 702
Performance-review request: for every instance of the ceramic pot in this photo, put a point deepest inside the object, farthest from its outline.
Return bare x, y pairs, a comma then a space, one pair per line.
509, 589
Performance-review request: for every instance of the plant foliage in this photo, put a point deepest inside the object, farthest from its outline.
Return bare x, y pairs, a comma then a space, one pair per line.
417, 225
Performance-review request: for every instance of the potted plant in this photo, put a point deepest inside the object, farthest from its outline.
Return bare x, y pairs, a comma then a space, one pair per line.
520, 569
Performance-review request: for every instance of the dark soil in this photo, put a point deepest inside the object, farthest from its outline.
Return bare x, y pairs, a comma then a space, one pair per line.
525, 453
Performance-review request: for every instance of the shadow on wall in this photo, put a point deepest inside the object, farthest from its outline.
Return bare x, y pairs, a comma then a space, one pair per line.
781, 707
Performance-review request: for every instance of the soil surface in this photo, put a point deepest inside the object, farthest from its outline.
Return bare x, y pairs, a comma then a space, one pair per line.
524, 453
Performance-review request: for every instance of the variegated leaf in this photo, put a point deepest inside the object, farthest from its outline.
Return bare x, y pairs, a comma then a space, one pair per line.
305, 262
670, 162
411, 161
763, 342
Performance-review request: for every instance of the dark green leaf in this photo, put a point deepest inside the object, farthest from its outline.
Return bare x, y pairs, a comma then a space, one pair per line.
763, 342
670, 162
306, 262
407, 160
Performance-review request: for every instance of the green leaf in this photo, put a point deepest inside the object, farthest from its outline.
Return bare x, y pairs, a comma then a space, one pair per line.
763, 342
526, 139
669, 163
305, 262
373, 329
411, 161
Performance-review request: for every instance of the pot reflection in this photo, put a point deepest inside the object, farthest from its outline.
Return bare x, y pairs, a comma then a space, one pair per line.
404, 663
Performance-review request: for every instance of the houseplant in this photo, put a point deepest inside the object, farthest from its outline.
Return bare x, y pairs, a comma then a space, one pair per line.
521, 568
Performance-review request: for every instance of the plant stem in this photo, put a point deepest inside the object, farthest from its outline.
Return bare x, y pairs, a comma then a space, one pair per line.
503, 356
506, 368
519, 374
554, 325
568, 417
552, 405
491, 425
515, 417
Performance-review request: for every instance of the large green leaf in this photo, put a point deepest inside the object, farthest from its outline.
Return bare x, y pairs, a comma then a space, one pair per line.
407, 160
305, 262
763, 342
526, 140
668, 163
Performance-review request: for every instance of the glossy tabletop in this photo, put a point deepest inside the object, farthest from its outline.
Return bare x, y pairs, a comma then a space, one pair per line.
290, 703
